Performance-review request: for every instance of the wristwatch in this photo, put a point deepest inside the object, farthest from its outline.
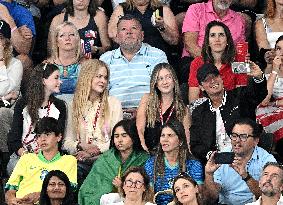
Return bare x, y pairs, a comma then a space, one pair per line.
161, 28
247, 178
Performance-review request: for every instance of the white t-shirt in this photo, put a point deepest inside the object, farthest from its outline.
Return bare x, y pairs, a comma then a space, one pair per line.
222, 139
114, 199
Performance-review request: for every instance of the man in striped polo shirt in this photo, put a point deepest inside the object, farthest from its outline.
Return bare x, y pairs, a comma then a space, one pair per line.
131, 64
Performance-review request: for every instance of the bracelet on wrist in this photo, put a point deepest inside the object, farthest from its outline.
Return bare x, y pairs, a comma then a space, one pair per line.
161, 29
247, 178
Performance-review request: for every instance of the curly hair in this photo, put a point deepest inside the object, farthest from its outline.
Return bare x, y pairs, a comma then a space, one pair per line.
8, 49
35, 90
183, 153
148, 194
92, 7
89, 69
130, 5
54, 42
155, 96
229, 52
270, 10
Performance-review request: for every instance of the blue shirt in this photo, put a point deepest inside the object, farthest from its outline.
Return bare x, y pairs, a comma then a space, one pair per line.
193, 168
234, 190
21, 15
130, 80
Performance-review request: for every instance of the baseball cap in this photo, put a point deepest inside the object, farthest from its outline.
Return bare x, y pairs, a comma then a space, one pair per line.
5, 29
205, 70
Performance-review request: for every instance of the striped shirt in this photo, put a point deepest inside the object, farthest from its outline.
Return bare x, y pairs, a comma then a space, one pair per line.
129, 80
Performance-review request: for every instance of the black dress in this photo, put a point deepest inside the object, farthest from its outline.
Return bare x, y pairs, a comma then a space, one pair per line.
152, 134
89, 35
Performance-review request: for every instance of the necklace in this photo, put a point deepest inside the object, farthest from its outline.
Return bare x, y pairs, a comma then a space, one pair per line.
65, 67
90, 139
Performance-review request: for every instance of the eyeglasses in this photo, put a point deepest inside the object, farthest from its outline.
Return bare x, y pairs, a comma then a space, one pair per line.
243, 137
130, 183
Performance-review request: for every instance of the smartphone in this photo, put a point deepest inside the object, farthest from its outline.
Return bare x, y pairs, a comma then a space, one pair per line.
242, 50
240, 67
224, 157
158, 13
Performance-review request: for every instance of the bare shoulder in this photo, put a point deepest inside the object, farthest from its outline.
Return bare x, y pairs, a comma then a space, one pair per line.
58, 19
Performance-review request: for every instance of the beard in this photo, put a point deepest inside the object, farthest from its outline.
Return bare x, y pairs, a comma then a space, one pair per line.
269, 191
131, 47
223, 5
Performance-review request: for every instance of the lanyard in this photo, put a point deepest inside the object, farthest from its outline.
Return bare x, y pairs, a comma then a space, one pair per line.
161, 116
94, 123
30, 127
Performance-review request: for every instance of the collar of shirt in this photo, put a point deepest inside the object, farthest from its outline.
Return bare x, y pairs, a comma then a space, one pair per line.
212, 109
258, 202
210, 9
42, 158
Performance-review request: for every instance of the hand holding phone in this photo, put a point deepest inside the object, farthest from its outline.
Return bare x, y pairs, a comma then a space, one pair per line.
240, 67
157, 18
211, 166
224, 157
255, 70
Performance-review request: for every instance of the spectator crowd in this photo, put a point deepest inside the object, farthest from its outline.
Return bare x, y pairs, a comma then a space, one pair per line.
141, 102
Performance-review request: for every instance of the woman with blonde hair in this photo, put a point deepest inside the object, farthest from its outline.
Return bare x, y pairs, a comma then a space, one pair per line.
66, 54
92, 115
160, 106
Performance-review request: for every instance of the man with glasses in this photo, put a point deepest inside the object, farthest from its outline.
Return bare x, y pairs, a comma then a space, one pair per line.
237, 183
271, 185
213, 117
